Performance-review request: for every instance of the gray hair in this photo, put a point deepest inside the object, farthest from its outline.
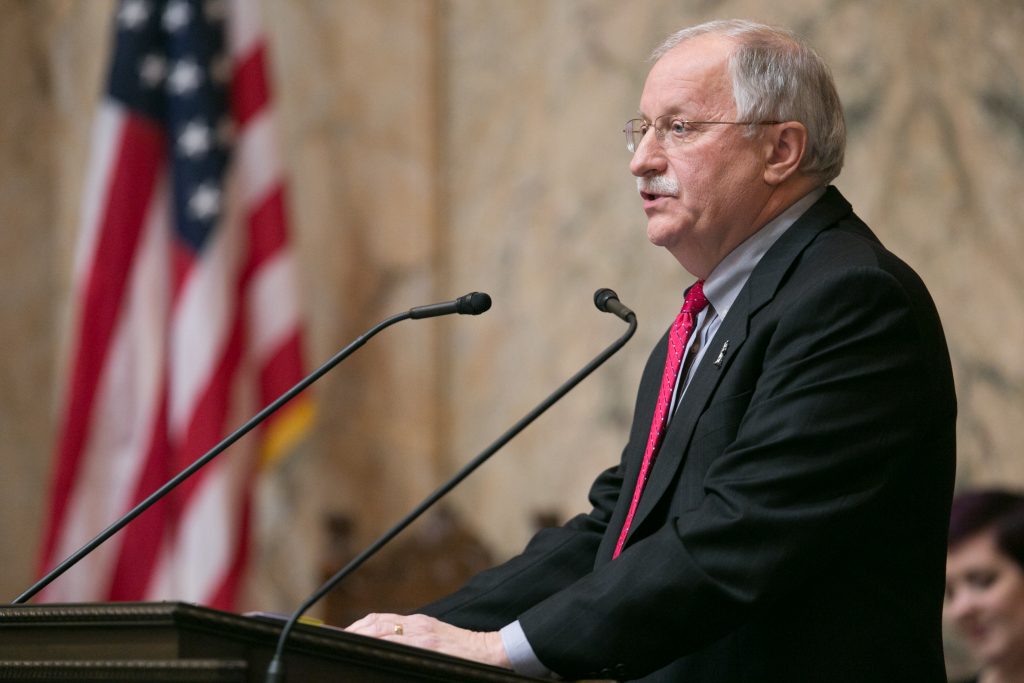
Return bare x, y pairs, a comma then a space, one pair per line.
776, 76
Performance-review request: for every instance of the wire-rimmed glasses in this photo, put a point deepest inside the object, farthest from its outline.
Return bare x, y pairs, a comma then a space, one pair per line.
672, 130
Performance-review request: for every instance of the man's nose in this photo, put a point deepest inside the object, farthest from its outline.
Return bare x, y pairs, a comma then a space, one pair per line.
649, 157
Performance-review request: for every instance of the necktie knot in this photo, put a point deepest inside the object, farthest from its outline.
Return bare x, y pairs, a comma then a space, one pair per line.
695, 301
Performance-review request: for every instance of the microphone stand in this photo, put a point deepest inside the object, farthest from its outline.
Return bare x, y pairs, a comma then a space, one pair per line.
472, 304
275, 671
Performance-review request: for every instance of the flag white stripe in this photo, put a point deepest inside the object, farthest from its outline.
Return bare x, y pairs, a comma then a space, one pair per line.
107, 128
272, 305
256, 159
244, 31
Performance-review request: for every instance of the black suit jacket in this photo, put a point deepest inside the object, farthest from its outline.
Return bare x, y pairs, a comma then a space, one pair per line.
794, 524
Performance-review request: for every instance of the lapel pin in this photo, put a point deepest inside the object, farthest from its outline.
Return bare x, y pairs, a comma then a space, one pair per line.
721, 354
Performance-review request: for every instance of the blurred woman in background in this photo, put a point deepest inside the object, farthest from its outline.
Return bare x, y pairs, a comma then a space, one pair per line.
985, 581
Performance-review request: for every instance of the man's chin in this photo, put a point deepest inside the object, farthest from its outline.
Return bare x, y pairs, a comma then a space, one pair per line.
659, 234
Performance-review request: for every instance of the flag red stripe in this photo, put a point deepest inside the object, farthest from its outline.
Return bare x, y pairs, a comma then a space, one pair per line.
183, 259
249, 89
139, 158
267, 231
282, 370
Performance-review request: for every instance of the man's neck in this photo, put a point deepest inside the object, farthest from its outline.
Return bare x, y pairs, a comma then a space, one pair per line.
783, 197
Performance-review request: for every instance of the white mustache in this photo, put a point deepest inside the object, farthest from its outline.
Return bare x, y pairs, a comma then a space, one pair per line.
659, 185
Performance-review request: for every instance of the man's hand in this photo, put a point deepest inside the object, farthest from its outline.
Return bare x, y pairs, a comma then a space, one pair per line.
426, 632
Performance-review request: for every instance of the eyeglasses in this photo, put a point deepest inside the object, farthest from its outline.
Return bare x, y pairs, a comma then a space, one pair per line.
671, 131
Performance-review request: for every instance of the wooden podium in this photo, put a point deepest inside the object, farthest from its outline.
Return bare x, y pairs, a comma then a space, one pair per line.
179, 642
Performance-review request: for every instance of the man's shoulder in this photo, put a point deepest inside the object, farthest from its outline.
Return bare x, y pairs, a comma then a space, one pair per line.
848, 244
828, 244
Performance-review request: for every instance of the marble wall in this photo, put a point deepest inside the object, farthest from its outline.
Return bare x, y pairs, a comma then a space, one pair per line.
441, 146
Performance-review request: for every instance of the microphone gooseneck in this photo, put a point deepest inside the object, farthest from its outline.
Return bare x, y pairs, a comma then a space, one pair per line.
275, 671
473, 303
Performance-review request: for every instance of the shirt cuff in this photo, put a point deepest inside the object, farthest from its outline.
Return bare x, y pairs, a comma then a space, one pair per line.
520, 654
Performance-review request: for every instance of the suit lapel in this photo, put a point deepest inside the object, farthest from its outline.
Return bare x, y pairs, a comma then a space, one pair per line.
760, 288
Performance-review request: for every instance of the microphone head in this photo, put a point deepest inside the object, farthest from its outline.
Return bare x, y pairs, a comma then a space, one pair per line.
473, 303
602, 297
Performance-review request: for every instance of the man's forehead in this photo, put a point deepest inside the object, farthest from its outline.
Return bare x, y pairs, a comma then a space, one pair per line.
688, 79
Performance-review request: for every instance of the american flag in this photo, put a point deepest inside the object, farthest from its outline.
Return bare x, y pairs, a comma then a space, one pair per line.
186, 318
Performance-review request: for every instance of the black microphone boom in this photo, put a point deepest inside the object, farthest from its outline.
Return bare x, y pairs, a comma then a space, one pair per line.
473, 304
275, 671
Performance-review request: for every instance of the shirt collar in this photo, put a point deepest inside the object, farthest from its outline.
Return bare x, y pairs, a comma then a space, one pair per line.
724, 283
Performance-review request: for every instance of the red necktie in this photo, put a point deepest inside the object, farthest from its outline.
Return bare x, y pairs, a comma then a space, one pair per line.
694, 303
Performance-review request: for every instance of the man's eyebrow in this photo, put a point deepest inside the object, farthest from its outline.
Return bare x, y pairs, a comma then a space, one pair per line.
672, 111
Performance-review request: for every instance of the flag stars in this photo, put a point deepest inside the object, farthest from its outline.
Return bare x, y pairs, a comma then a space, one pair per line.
133, 14
153, 70
185, 77
195, 139
204, 204
176, 16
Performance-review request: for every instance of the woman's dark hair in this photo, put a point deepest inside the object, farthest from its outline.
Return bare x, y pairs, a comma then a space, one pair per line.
996, 510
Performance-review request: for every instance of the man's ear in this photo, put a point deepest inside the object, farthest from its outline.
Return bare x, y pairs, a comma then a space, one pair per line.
785, 145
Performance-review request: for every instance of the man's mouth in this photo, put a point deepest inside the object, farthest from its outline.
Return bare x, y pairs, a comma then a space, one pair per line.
653, 196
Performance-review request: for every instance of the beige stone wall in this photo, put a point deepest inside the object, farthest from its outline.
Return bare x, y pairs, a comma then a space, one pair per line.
30, 272
441, 146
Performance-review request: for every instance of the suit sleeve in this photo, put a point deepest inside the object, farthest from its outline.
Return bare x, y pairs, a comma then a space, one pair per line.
554, 559
843, 401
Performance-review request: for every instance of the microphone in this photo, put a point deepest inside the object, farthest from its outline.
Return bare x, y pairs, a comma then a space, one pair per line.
275, 671
608, 301
473, 303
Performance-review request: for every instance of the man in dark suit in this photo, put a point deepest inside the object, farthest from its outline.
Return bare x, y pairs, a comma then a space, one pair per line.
780, 509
